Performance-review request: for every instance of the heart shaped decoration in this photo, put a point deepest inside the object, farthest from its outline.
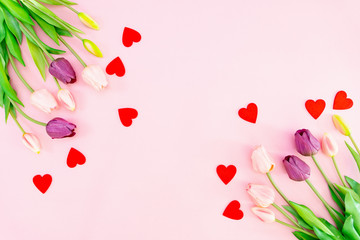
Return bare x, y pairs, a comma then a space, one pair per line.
74, 158
226, 174
42, 182
116, 66
249, 113
233, 211
127, 115
315, 108
341, 101
130, 36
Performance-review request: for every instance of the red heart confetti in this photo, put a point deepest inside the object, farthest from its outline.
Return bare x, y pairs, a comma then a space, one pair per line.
341, 101
42, 182
127, 115
226, 174
315, 108
74, 158
249, 113
116, 66
233, 211
130, 36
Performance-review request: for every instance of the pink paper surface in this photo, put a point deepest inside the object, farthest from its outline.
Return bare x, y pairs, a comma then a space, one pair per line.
197, 64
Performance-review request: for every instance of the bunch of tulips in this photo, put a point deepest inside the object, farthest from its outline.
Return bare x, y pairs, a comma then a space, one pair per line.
18, 20
344, 209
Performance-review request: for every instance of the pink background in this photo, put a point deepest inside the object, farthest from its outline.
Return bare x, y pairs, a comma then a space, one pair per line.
197, 64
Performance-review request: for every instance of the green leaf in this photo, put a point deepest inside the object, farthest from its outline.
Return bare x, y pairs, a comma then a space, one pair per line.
38, 57
7, 105
336, 199
303, 236
353, 184
321, 235
13, 46
339, 223
12, 24
353, 208
52, 2
297, 217
6, 86
349, 229
334, 230
63, 32
46, 27
354, 154
346, 190
310, 218
17, 11
1, 97
2, 28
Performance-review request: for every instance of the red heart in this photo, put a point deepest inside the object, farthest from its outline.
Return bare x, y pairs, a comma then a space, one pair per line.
42, 182
341, 102
116, 66
130, 36
126, 115
233, 211
249, 113
226, 174
74, 158
315, 108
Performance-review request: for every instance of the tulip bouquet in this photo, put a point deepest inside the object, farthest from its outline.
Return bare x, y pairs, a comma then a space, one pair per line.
18, 20
344, 209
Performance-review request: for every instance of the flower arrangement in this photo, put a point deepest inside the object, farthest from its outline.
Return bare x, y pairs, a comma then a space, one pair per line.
17, 22
346, 196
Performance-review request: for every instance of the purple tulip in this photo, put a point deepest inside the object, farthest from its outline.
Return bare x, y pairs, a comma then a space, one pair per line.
62, 70
306, 144
60, 128
296, 168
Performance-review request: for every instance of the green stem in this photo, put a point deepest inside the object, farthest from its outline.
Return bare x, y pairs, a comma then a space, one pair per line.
57, 83
277, 188
68, 6
354, 143
27, 116
17, 122
296, 228
285, 214
72, 51
338, 171
18, 73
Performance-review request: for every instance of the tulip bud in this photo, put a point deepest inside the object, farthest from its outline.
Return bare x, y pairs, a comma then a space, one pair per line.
329, 145
264, 214
88, 21
306, 144
43, 100
262, 195
31, 142
60, 128
95, 77
296, 168
62, 70
66, 99
92, 48
261, 160
341, 125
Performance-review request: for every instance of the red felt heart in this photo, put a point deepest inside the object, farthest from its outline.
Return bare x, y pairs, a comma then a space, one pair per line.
233, 211
74, 158
341, 101
130, 36
127, 115
116, 66
42, 182
249, 113
315, 108
226, 174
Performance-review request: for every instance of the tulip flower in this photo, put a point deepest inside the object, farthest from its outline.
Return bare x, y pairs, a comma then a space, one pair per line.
88, 21
62, 70
66, 99
306, 144
264, 214
262, 195
43, 100
31, 142
329, 145
92, 48
340, 125
296, 168
60, 128
95, 77
261, 160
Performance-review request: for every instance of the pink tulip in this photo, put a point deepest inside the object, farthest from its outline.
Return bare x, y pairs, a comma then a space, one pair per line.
66, 99
262, 195
31, 142
264, 214
43, 100
329, 145
95, 77
261, 160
